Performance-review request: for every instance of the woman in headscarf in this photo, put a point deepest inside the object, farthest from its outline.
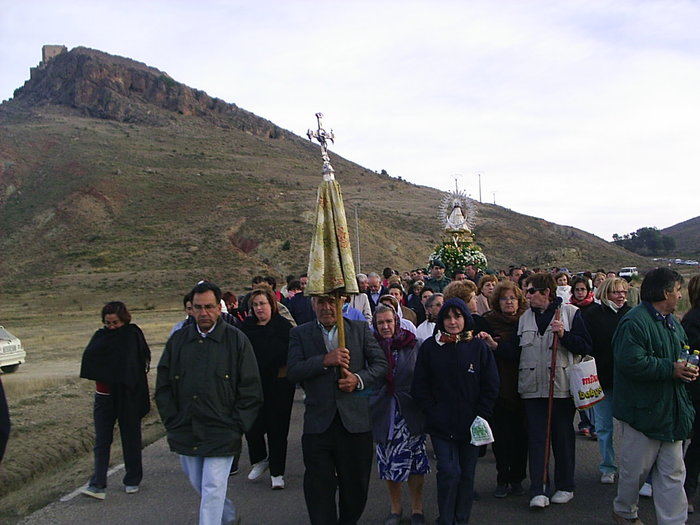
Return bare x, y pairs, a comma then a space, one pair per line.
454, 381
268, 332
117, 358
509, 422
391, 301
601, 322
397, 422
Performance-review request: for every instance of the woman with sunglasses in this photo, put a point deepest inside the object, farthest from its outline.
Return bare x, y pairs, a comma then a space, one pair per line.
601, 322
117, 358
546, 318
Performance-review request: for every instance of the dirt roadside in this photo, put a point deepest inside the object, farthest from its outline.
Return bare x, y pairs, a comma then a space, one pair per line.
50, 448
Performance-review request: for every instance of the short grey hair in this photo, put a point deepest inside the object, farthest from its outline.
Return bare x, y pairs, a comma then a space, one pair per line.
430, 300
373, 274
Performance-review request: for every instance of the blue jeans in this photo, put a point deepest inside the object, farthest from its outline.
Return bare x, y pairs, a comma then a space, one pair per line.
456, 465
209, 477
604, 428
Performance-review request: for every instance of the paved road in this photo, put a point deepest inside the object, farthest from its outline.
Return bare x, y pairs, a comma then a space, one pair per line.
166, 497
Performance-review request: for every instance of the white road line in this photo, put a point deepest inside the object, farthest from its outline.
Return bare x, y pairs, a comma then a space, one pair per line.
77, 491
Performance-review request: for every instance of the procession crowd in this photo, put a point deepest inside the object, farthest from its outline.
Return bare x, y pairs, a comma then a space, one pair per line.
419, 359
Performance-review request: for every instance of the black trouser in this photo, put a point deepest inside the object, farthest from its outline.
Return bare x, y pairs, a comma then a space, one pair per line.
456, 468
338, 459
108, 410
563, 443
273, 420
692, 456
510, 445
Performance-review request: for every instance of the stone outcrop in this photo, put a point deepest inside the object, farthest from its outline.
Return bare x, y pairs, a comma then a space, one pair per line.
112, 87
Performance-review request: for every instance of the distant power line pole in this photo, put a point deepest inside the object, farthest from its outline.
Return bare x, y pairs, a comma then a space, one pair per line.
479, 187
494, 197
357, 233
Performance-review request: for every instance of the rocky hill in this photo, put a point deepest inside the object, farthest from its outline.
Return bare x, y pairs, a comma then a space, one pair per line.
687, 236
114, 176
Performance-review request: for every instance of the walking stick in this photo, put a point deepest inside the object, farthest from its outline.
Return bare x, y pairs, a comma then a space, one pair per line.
550, 406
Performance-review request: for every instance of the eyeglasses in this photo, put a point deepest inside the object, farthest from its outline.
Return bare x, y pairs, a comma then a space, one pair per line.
207, 307
533, 290
505, 299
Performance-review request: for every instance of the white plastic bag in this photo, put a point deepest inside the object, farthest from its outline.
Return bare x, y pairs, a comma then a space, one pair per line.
481, 432
585, 386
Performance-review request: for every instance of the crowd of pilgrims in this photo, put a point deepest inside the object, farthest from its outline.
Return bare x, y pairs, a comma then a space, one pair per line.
499, 320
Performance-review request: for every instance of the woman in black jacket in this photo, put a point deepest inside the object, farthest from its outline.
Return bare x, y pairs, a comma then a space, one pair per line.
268, 332
601, 321
509, 422
691, 325
454, 381
117, 359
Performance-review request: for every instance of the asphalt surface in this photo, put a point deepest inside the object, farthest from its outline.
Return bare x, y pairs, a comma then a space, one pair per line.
166, 497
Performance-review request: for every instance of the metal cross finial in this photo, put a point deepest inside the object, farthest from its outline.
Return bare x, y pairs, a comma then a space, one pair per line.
323, 137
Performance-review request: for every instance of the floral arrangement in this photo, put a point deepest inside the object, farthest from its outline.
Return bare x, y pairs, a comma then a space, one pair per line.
459, 254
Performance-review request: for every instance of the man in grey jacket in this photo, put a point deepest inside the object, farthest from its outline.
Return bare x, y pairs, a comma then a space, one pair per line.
337, 440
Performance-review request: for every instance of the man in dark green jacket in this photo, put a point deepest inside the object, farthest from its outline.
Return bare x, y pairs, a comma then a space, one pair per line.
208, 393
437, 280
651, 402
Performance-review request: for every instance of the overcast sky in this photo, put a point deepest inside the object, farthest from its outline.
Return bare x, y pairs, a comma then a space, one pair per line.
582, 113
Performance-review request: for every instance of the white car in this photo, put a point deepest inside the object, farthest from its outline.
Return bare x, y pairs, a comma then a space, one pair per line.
11, 352
628, 272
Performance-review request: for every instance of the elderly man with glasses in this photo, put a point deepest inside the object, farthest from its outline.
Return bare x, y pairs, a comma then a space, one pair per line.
337, 439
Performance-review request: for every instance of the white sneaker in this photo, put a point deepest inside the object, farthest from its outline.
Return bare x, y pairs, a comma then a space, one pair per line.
258, 469
539, 502
131, 489
607, 478
562, 496
646, 490
277, 482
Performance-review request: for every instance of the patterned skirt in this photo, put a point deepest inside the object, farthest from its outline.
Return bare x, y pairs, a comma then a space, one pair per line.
404, 455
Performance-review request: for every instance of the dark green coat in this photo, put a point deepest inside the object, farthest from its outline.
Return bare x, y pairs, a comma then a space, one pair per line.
647, 397
208, 390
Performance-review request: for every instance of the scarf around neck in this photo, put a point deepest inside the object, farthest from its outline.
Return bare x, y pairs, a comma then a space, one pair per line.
583, 302
402, 339
455, 338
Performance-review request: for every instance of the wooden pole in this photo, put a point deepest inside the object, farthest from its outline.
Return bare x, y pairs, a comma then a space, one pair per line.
550, 406
339, 319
